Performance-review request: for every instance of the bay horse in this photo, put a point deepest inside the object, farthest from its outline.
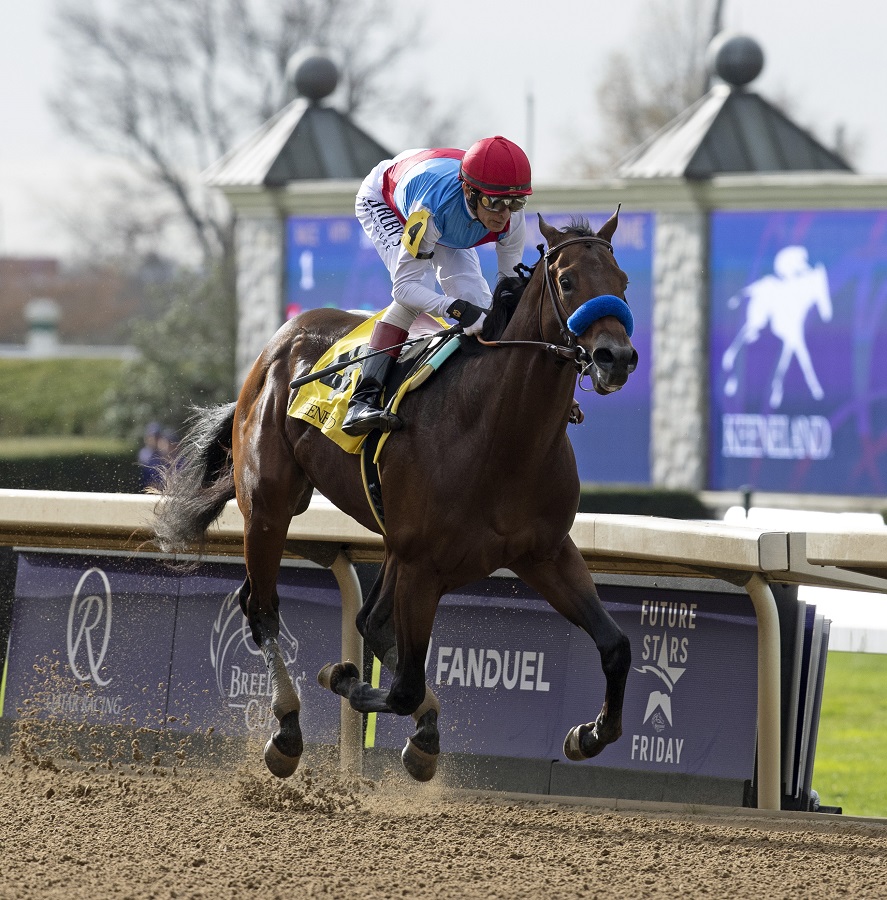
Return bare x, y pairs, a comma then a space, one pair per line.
481, 477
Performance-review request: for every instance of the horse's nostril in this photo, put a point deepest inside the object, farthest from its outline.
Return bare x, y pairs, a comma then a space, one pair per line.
633, 362
603, 358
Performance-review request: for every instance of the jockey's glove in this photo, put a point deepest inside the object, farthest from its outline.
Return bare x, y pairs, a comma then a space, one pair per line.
470, 316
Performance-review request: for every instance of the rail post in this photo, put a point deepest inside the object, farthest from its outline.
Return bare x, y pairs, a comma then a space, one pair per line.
350, 721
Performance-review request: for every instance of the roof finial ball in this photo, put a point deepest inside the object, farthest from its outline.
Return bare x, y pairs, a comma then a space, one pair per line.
735, 58
313, 74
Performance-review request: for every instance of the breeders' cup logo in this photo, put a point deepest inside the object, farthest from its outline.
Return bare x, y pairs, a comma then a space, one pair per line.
241, 676
89, 626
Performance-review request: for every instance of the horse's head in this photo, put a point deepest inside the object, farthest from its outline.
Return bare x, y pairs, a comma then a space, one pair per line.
586, 289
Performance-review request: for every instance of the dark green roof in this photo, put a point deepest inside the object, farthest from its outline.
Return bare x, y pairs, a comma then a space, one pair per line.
303, 141
729, 130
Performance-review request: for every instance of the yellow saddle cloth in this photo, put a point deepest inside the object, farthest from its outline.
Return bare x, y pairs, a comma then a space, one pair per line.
324, 401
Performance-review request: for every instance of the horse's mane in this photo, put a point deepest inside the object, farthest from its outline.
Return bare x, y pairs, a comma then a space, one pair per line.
510, 289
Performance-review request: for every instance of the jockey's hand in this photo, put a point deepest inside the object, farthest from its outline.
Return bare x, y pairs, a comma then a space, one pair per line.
577, 417
468, 315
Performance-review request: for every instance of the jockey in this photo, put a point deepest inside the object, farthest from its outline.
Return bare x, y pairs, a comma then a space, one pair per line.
425, 211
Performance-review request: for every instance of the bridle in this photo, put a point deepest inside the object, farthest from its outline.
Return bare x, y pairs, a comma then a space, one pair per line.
570, 349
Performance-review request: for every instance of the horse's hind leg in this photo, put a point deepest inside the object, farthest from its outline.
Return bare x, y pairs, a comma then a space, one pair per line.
376, 623
267, 510
566, 584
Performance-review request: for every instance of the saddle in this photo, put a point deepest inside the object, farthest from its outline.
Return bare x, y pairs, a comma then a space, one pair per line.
323, 402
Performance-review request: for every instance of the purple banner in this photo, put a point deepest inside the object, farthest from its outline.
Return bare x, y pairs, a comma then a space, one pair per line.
90, 639
119, 640
513, 678
798, 343
330, 262
219, 677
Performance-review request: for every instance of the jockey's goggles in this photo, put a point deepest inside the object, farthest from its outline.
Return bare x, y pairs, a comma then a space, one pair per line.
499, 204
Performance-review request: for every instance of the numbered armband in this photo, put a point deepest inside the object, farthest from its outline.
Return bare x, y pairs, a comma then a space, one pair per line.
414, 231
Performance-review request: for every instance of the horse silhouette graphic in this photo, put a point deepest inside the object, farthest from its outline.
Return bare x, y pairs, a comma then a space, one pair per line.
782, 301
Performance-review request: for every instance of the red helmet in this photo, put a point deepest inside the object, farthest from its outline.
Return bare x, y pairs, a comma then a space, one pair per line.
496, 166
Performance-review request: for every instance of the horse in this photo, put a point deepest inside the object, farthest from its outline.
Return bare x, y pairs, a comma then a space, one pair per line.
782, 301
481, 477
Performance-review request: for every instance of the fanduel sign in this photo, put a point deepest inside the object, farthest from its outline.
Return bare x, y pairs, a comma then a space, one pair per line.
487, 668
513, 678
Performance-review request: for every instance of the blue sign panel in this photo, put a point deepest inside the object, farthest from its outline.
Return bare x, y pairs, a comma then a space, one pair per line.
331, 262
798, 350
513, 678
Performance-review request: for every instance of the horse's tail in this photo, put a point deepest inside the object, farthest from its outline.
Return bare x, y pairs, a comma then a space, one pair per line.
196, 485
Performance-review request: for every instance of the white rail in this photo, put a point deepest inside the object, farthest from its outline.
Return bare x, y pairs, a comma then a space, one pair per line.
744, 555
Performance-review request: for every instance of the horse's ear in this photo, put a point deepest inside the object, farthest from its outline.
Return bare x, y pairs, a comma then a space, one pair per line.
548, 232
608, 229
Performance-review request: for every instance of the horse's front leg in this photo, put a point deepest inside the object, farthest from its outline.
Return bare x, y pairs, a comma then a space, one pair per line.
565, 582
376, 622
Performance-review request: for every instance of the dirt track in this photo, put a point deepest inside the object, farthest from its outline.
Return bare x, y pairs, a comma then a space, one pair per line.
174, 827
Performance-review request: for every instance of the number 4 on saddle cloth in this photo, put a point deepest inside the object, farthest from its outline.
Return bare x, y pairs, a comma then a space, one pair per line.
323, 402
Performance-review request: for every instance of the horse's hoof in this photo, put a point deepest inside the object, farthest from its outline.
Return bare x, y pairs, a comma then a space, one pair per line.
332, 673
279, 764
573, 745
586, 741
323, 676
420, 765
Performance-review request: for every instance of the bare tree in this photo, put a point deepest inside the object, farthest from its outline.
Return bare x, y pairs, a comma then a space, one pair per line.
168, 87
171, 85
665, 71
643, 88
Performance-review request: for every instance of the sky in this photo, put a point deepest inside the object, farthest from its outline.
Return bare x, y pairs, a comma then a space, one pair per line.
490, 56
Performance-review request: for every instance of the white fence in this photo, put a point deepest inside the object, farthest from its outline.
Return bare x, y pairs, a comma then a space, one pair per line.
744, 554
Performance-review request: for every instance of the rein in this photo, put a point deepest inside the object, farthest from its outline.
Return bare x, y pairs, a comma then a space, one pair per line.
603, 305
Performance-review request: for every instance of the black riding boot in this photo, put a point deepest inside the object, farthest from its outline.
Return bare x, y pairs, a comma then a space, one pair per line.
364, 413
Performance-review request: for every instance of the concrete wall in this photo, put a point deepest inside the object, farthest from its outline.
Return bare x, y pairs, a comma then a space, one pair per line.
679, 432
260, 262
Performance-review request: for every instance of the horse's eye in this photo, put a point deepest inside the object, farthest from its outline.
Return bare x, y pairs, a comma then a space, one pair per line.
565, 283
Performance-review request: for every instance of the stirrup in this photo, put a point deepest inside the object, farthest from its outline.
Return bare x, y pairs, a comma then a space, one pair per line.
362, 418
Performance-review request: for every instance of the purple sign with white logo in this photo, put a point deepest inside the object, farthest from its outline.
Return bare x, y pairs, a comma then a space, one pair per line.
111, 639
90, 639
798, 343
330, 262
513, 678
691, 698
219, 677
121, 640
